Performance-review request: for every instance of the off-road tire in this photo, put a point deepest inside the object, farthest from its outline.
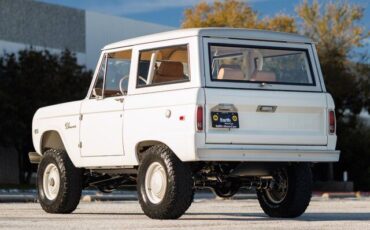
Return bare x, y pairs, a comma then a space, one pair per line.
179, 190
298, 194
71, 182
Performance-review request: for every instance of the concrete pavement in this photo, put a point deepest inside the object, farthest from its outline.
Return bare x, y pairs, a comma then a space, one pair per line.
203, 214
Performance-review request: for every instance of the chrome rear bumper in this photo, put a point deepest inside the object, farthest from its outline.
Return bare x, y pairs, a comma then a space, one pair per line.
267, 155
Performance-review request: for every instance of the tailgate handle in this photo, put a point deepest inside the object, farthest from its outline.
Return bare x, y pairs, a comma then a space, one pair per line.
266, 108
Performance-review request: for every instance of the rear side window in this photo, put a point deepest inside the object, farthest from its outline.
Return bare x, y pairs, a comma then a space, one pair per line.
163, 66
260, 64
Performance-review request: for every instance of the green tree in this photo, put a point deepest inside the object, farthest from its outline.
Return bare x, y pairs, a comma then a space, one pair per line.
233, 13
336, 29
29, 80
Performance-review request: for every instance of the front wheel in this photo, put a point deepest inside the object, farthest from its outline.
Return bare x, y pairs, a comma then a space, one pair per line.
165, 184
59, 183
289, 193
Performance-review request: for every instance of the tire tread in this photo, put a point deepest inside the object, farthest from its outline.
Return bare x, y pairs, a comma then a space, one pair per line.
298, 197
70, 187
180, 195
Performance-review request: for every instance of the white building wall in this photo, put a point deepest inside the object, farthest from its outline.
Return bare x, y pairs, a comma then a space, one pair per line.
103, 29
14, 47
44, 26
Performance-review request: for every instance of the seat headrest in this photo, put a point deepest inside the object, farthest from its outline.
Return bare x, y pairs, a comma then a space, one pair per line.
263, 76
171, 69
230, 72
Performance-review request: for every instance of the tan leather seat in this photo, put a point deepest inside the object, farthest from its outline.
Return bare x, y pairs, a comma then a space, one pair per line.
263, 76
169, 71
230, 72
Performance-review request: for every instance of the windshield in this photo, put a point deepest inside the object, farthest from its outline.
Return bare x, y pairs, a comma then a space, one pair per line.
237, 63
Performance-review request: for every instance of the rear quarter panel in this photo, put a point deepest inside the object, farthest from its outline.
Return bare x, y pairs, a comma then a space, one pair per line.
157, 117
145, 108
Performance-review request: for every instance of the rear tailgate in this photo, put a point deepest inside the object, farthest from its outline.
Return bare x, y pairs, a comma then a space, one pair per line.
299, 118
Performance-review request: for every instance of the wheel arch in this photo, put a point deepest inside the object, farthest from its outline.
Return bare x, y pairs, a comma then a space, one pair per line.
51, 139
144, 145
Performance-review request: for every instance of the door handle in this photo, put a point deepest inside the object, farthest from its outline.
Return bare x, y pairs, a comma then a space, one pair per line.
121, 99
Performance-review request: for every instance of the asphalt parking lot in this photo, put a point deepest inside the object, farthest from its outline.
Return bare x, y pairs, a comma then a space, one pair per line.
203, 214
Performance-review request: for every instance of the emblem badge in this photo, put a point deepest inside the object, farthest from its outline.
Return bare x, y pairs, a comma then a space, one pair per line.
69, 126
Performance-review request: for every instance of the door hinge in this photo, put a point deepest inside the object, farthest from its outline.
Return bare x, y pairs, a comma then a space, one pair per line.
81, 116
80, 144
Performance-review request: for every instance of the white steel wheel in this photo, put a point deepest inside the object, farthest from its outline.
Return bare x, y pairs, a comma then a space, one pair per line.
278, 194
155, 182
51, 181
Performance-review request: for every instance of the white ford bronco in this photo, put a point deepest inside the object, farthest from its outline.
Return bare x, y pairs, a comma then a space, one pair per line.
176, 111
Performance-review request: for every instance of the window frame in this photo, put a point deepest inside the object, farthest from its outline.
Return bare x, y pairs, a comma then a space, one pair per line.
315, 86
310, 72
104, 58
163, 83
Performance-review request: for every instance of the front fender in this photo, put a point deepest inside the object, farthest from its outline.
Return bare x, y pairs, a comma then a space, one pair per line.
54, 119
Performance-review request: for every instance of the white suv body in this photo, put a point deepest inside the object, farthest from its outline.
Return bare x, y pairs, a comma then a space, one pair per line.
239, 96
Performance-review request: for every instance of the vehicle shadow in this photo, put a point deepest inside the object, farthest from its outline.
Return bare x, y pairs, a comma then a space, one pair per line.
231, 216
111, 213
314, 217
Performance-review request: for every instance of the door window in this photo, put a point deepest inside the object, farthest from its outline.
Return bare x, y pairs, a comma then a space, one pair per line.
113, 75
117, 74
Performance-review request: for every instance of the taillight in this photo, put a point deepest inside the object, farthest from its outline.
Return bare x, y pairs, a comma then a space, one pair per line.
200, 118
332, 122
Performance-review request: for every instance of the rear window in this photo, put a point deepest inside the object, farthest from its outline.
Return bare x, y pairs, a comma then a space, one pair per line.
237, 63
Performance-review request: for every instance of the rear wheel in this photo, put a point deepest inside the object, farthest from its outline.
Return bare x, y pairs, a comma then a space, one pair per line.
289, 194
59, 183
165, 184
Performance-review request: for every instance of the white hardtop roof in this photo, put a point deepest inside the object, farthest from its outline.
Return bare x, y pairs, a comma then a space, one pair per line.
213, 32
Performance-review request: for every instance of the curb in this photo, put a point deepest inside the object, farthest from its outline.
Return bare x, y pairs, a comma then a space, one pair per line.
341, 195
18, 198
